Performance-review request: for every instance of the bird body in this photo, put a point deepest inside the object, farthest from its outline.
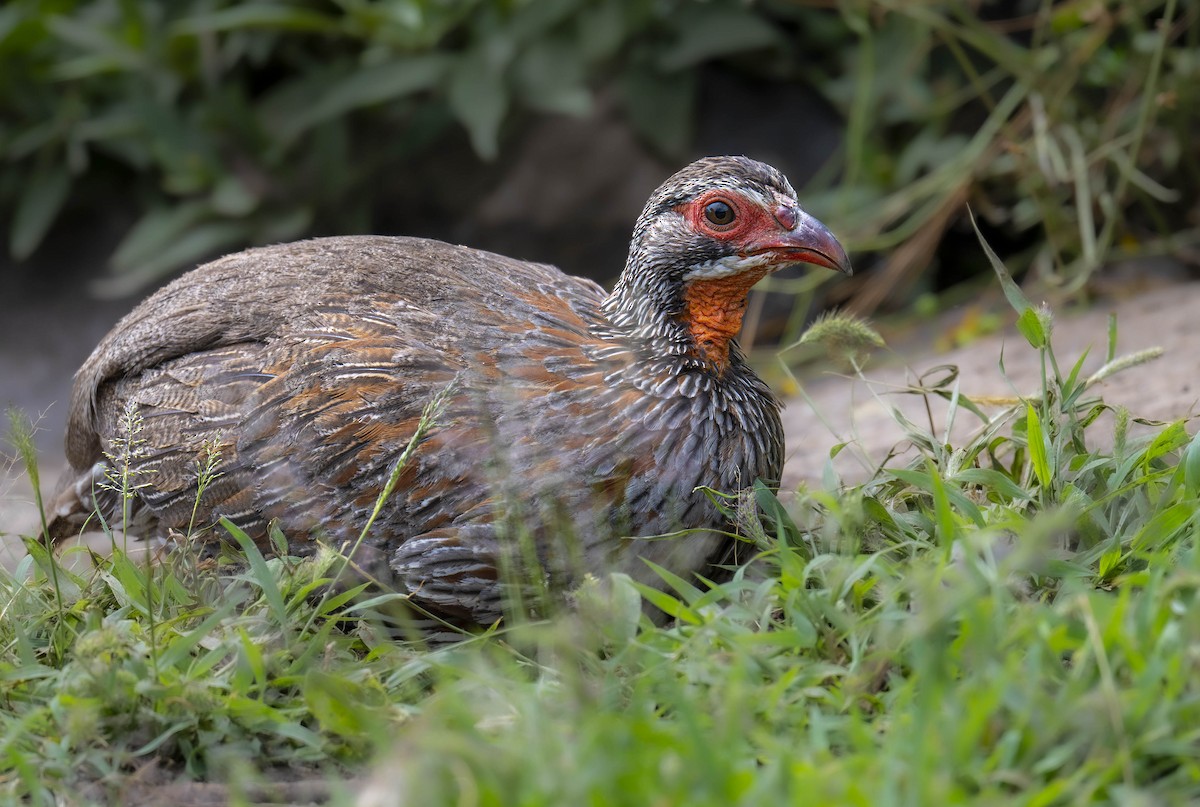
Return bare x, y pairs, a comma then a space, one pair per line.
584, 420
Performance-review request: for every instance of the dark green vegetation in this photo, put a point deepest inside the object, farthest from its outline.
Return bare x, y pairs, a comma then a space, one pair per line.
1011, 620
1069, 126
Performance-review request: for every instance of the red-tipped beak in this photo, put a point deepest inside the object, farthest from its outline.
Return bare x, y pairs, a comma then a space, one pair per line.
806, 241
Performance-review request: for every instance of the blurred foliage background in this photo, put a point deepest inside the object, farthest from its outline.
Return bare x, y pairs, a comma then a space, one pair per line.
1068, 127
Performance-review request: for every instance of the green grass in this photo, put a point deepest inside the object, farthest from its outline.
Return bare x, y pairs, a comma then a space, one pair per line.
1009, 620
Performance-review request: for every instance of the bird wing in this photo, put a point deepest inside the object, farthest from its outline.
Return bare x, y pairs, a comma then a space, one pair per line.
304, 371
253, 295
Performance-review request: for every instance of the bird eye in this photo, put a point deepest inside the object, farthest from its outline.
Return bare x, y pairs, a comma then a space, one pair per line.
719, 213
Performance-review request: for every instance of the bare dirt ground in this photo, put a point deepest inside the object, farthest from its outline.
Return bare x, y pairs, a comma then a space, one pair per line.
842, 409
36, 369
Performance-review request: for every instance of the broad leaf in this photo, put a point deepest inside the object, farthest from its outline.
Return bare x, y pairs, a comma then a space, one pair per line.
37, 208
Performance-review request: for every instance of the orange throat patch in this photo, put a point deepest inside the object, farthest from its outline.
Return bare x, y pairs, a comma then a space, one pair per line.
713, 311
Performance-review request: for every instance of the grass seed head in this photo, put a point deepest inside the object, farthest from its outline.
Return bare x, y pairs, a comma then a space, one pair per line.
844, 336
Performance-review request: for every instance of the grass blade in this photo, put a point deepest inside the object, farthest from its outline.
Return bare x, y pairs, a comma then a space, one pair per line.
260, 573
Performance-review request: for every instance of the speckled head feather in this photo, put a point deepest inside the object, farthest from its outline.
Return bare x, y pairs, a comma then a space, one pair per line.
735, 173
668, 248
661, 250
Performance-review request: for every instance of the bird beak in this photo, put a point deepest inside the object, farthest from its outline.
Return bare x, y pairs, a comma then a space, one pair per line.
806, 241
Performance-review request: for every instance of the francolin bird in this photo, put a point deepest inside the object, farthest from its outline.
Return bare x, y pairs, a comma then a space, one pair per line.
576, 424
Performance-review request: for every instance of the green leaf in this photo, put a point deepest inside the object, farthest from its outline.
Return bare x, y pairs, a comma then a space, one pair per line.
709, 30
1070, 388
1038, 451
96, 50
10, 17
551, 77
330, 606
947, 526
304, 104
600, 31
253, 657
341, 705
1164, 525
154, 231
928, 481
626, 607
612, 604
669, 605
660, 106
682, 587
479, 99
876, 511
1110, 563
201, 241
1030, 326
255, 15
260, 573
992, 480
283, 226
180, 647
531, 22
1169, 439
38, 206
769, 503
1016, 298
1191, 467
233, 197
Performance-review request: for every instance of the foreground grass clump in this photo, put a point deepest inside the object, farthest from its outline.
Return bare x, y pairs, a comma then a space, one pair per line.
1009, 620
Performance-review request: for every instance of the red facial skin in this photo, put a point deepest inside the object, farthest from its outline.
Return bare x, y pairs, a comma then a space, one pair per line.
713, 307
787, 232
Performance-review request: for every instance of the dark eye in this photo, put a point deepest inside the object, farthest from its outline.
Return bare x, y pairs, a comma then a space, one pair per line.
719, 213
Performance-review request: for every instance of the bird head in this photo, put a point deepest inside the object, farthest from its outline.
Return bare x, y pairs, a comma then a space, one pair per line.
704, 238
